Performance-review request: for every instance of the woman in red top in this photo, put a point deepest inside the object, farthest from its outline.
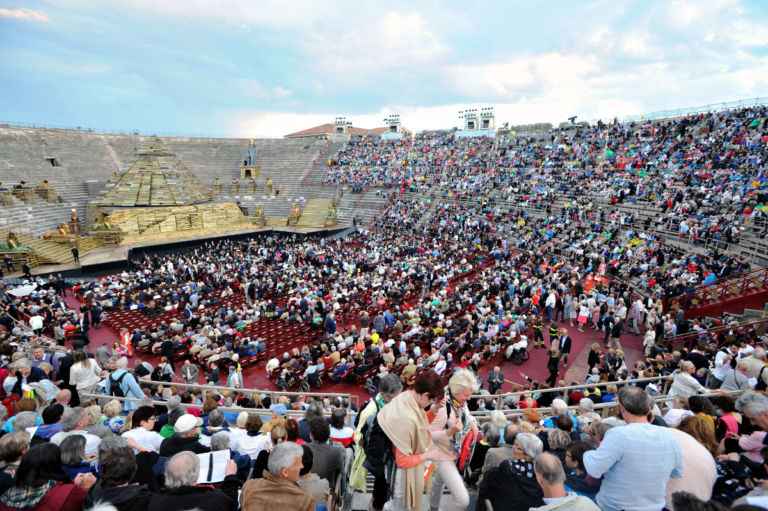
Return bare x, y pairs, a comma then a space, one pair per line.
41, 484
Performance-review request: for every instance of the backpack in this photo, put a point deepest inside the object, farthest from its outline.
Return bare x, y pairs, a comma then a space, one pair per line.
376, 445
115, 385
760, 383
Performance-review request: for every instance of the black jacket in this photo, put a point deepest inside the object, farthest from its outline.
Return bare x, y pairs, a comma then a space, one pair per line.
175, 445
134, 497
203, 497
510, 488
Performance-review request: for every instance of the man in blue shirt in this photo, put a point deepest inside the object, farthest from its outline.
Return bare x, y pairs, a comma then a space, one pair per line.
129, 387
636, 460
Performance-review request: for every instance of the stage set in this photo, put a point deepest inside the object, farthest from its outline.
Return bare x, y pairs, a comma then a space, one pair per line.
156, 202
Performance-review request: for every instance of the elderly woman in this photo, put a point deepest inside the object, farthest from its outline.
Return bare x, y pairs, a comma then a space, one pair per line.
40, 483
683, 382
512, 485
405, 423
451, 424
73, 459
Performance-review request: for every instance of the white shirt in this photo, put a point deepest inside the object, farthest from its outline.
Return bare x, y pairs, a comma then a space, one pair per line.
253, 445
92, 442
148, 439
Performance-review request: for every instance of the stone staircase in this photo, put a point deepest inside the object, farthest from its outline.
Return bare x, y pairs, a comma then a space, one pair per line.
314, 213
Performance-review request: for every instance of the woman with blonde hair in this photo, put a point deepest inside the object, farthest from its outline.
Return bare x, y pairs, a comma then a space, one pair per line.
451, 424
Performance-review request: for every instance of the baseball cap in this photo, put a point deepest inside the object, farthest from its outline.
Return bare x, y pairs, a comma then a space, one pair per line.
186, 423
279, 409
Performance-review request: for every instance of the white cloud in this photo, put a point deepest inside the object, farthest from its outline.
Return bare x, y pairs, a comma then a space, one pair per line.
25, 14
281, 92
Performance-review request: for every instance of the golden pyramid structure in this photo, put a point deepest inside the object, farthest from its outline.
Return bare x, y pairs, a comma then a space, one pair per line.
156, 178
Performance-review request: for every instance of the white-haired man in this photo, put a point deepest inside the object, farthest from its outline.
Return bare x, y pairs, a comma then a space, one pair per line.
551, 477
278, 489
182, 491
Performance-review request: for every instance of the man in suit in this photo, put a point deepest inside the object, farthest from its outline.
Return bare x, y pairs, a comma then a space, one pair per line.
564, 345
189, 372
495, 380
496, 455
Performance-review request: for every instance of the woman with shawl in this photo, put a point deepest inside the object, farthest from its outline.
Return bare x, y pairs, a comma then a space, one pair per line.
452, 422
405, 423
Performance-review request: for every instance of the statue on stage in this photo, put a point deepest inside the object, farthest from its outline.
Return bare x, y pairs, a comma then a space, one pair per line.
259, 218
62, 233
251, 188
74, 223
103, 223
330, 218
295, 212
234, 187
46, 191
268, 186
217, 186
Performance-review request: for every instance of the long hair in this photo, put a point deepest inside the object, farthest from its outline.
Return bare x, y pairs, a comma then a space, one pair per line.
81, 356
700, 429
39, 464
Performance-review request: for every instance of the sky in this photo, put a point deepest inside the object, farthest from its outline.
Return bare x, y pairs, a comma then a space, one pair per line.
266, 68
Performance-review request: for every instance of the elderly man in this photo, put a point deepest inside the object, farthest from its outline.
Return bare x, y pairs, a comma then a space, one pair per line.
63, 397
496, 455
551, 477
495, 380
754, 406
189, 372
39, 356
26, 373
185, 433
182, 492
637, 460
73, 422
757, 366
118, 466
278, 489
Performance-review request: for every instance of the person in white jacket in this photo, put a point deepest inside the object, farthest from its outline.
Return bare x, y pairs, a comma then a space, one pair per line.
683, 383
85, 375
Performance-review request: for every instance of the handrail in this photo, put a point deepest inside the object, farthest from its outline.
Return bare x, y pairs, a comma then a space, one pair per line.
289, 412
208, 386
600, 406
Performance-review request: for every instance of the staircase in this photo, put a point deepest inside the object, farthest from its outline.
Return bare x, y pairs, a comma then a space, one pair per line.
314, 213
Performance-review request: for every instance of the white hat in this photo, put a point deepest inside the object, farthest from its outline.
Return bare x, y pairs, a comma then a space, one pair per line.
186, 423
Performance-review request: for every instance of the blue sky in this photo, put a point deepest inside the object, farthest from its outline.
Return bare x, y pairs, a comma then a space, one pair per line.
267, 68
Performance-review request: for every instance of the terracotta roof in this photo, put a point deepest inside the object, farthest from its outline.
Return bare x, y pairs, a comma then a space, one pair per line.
365, 131
328, 128
317, 130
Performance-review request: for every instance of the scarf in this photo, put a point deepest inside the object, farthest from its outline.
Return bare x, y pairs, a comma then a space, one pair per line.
26, 497
406, 425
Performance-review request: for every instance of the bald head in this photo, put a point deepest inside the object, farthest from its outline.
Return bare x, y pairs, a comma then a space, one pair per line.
549, 471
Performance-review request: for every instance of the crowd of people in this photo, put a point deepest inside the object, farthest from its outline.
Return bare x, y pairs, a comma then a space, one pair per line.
475, 258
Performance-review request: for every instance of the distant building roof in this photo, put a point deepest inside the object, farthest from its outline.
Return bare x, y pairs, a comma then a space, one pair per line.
328, 129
